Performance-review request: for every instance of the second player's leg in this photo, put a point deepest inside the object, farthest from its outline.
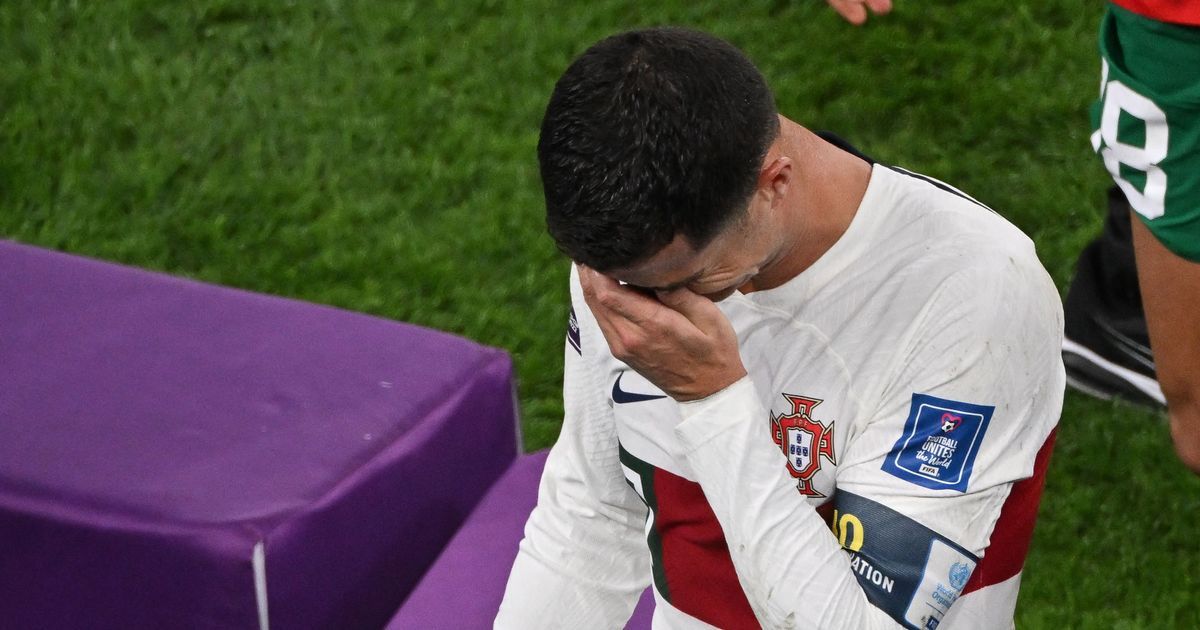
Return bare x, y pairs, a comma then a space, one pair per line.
1171, 297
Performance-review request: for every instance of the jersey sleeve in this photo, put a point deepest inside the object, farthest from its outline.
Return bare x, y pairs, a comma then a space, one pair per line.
940, 491
984, 352
583, 562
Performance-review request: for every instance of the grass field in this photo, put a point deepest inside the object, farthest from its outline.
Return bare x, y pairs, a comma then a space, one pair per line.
379, 156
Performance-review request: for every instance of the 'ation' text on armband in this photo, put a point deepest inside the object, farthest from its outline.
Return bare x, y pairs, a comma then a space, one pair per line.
906, 569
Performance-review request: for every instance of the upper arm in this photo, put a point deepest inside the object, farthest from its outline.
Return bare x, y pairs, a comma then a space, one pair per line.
582, 562
584, 481
938, 493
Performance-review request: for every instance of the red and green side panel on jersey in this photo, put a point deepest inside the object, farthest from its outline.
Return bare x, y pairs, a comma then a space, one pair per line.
691, 565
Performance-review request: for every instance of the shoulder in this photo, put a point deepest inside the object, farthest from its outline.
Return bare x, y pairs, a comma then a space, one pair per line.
949, 246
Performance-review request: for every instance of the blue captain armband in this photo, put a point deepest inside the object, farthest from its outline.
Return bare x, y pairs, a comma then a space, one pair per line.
906, 569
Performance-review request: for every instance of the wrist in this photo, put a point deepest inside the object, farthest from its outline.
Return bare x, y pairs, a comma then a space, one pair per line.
711, 387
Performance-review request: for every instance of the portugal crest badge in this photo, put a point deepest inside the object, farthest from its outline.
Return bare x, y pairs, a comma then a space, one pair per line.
804, 441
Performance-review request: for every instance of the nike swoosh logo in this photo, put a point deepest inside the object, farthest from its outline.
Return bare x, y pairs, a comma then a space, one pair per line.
621, 396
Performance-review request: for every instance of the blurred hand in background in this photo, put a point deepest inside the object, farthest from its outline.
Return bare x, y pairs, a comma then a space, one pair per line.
856, 11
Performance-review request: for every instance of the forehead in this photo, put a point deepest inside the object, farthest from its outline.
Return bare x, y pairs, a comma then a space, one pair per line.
676, 263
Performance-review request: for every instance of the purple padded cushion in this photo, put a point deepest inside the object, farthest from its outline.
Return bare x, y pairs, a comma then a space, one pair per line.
154, 430
463, 589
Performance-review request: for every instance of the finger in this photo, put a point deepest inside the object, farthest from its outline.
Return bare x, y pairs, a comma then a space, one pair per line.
605, 298
604, 317
699, 310
880, 7
618, 332
852, 10
595, 285
623, 301
587, 281
626, 338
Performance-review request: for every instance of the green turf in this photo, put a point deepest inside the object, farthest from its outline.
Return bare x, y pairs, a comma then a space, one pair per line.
379, 156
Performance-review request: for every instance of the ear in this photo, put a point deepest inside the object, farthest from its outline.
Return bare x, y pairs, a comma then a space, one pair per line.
775, 178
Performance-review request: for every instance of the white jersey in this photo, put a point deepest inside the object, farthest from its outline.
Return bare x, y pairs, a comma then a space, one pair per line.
880, 466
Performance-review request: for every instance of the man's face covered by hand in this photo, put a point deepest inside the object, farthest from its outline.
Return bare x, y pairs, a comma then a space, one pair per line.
739, 253
664, 324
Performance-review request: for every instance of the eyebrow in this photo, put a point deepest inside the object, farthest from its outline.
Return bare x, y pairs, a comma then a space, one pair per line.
674, 285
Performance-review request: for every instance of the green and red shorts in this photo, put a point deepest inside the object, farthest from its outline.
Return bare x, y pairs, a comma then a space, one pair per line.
1146, 123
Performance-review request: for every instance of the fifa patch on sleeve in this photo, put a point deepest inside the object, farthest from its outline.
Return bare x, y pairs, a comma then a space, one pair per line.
940, 441
573, 332
906, 569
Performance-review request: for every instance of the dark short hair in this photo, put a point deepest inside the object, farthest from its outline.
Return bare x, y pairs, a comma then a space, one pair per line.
649, 134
